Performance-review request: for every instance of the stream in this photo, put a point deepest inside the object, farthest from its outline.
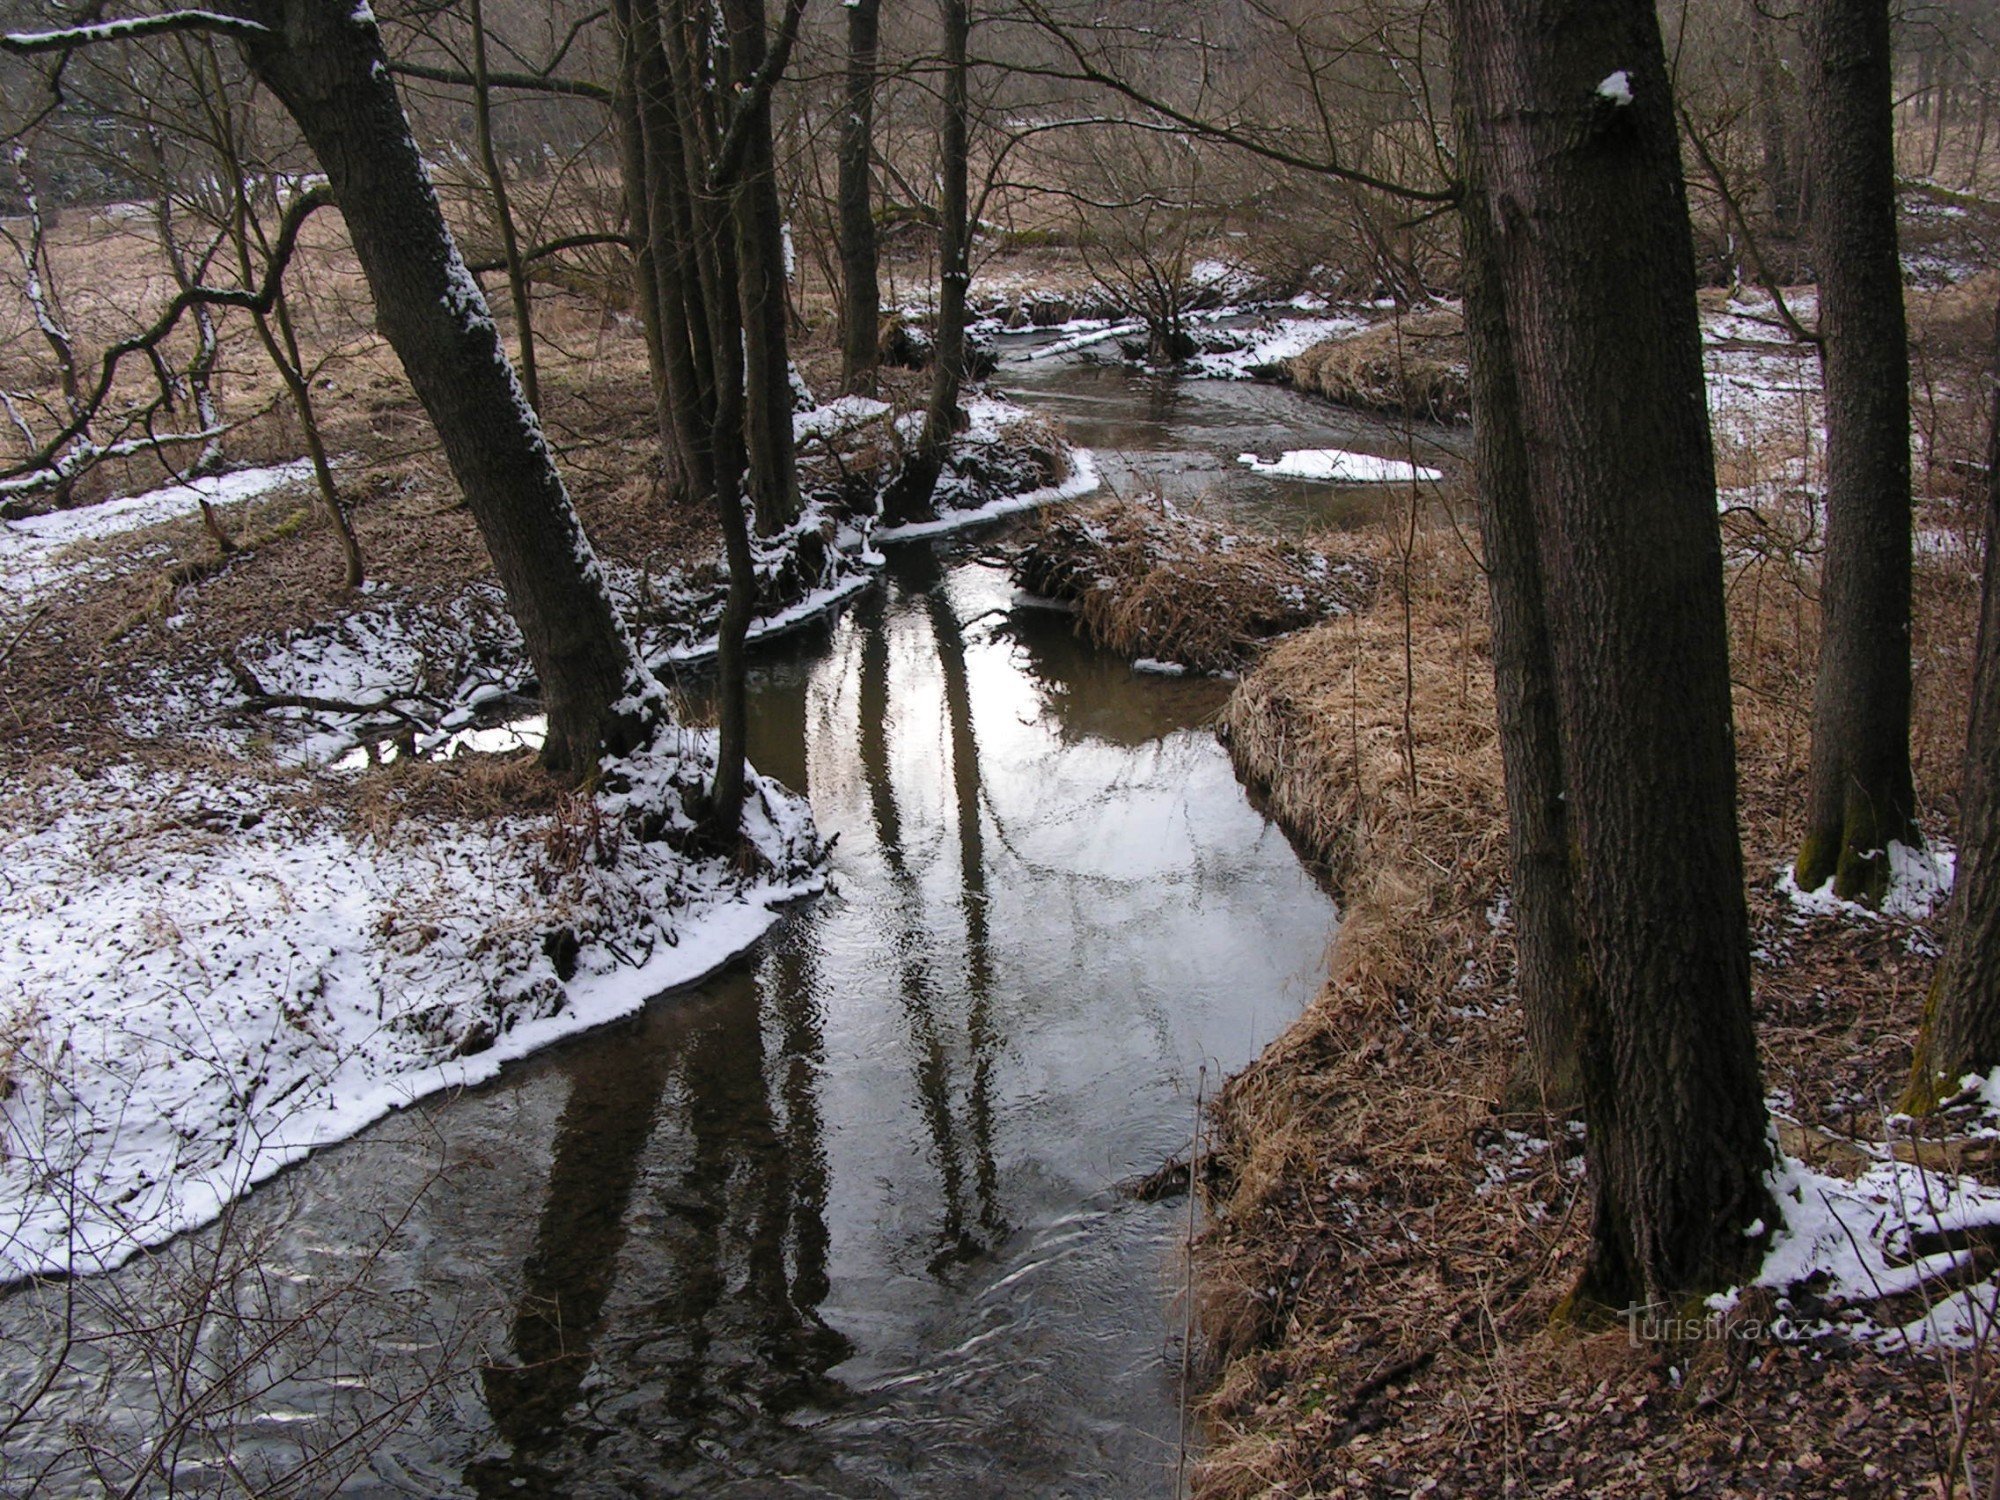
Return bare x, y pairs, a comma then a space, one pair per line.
847, 1218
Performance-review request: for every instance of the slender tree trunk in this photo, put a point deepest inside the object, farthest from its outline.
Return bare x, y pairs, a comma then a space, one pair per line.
909, 493
503, 213
1548, 965
1961, 1027
664, 79
760, 261
639, 219
324, 61
860, 274
1774, 129
1583, 200
1860, 798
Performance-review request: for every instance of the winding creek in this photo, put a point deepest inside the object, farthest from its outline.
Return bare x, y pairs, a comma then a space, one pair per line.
846, 1219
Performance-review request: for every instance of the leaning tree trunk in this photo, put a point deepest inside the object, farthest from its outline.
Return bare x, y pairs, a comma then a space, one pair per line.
1584, 203
860, 275
1547, 963
909, 493
1961, 1029
324, 61
1860, 797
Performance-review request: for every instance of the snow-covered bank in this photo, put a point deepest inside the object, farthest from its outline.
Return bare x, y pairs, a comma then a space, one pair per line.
43, 553
206, 977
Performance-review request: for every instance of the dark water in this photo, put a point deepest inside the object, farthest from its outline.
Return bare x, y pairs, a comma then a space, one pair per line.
846, 1219
1157, 434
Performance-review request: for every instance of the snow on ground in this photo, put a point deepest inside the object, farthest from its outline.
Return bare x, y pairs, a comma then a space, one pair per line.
1888, 1233
1280, 340
43, 553
1338, 466
1919, 884
206, 977
1083, 479
1763, 387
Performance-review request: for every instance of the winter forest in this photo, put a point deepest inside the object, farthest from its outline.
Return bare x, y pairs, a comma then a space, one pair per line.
1228, 748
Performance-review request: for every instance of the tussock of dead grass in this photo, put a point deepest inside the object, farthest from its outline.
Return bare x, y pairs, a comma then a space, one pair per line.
1407, 367
1377, 1286
1148, 580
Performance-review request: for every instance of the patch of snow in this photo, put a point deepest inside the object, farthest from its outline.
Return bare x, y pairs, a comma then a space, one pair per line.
203, 979
35, 553
1158, 668
1087, 331
1083, 479
837, 417
1853, 1243
1617, 87
1284, 339
1338, 466
1919, 883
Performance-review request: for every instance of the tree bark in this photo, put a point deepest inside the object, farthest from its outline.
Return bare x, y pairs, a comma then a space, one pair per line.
1860, 798
860, 273
1961, 1026
909, 493
1583, 200
324, 61
1774, 124
1548, 964
760, 271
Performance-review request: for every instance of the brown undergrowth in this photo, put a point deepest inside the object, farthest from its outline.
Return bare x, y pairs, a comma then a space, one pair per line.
1149, 580
1386, 1249
1407, 367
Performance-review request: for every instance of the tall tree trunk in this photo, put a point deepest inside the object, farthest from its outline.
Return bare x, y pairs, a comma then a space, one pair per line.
324, 61
860, 273
1774, 126
760, 268
1547, 964
636, 176
909, 493
1961, 1027
1860, 798
669, 134
503, 211
1584, 202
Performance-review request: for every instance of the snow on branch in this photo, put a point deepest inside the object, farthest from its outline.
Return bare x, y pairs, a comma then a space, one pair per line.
68, 39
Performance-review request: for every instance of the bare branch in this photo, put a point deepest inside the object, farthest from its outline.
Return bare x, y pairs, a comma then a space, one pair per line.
68, 39
534, 83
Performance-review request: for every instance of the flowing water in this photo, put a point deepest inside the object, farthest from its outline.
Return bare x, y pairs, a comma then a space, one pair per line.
846, 1219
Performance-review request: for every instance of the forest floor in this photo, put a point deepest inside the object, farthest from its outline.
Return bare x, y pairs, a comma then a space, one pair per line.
1388, 1246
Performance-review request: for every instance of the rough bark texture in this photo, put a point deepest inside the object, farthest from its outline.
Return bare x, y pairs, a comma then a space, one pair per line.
1774, 125
860, 274
909, 493
1547, 967
1961, 1031
1860, 797
760, 276
1583, 201
324, 61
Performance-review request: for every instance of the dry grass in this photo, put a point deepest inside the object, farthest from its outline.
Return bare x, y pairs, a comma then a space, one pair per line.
1151, 581
1406, 367
1378, 1283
